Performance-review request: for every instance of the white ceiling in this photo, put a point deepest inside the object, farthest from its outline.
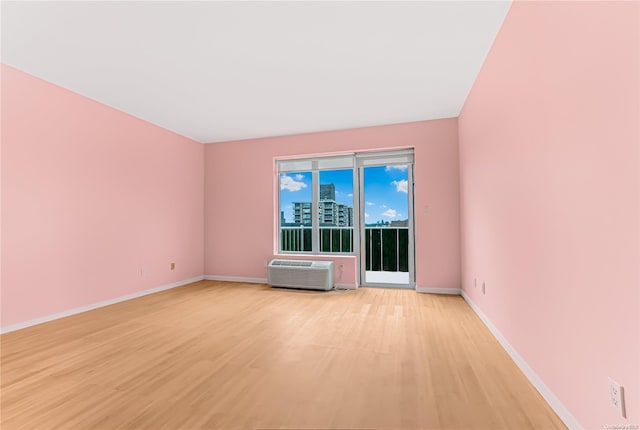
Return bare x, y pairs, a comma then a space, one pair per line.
218, 71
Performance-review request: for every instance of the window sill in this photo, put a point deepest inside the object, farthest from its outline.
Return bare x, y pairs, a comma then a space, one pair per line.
303, 254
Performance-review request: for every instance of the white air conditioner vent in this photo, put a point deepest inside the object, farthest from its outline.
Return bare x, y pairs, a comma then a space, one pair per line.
316, 275
292, 263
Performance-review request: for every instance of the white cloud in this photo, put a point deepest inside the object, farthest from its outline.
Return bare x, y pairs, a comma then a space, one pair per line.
350, 195
299, 177
366, 215
383, 206
288, 183
401, 167
390, 213
370, 204
401, 186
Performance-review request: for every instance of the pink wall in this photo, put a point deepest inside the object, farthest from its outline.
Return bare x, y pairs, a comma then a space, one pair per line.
550, 187
240, 189
89, 196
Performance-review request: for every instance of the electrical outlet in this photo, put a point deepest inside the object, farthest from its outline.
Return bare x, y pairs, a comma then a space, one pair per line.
173, 266
616, 396
144, 271
483, 289
475, 282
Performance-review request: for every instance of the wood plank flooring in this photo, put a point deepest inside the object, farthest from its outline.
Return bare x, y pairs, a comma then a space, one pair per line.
219, 355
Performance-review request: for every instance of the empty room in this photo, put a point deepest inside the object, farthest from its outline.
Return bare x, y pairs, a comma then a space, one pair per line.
320, 215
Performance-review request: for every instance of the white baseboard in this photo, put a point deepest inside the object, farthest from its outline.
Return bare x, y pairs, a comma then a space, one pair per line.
431, 290
236, 279
261, 281
562, 412
104, 303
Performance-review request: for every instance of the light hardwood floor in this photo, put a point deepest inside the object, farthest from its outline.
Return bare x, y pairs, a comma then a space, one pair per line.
245, 356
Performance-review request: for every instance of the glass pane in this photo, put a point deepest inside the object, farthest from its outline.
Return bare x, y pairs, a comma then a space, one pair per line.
335, 240
376, 250
403, 250
335, 209
325, 240
346, 240
389, 250
306, 245
295, 211
386, 209
367, 246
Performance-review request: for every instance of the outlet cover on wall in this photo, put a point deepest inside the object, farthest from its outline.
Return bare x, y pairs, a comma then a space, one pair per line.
616, 396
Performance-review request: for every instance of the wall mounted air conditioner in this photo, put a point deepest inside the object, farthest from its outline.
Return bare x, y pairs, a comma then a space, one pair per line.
313, 275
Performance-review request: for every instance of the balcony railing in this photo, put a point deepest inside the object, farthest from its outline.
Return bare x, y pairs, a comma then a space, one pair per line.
331, 239
386, 248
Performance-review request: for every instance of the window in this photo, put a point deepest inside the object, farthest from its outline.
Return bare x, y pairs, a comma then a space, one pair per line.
316, 205
336, 210
295, 212
321, 204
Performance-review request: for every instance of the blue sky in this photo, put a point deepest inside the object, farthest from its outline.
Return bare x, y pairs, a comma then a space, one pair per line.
385, 191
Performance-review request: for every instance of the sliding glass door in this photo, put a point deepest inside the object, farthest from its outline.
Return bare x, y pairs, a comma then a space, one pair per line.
386, 225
